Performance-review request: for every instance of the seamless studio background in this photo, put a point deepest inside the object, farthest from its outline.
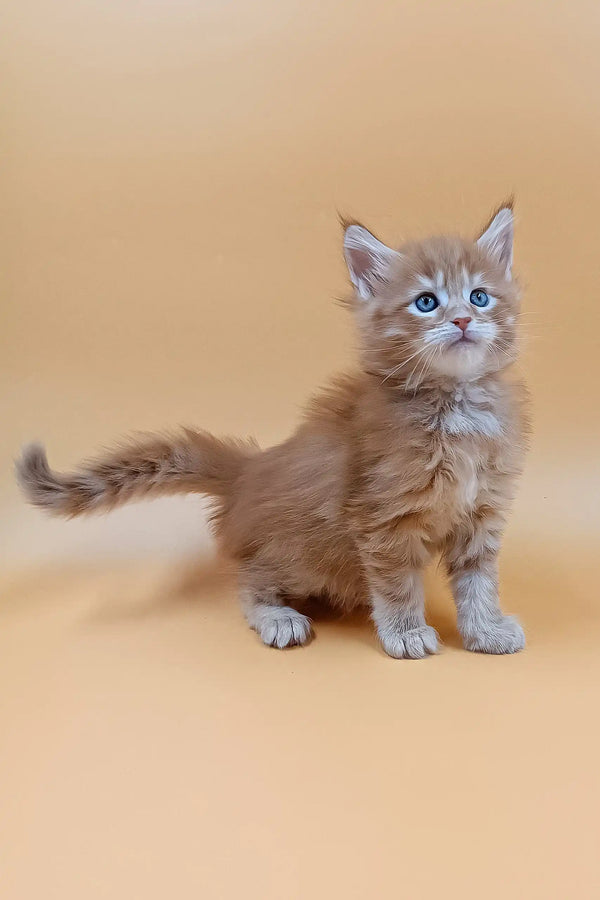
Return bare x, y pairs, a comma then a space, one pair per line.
172, 175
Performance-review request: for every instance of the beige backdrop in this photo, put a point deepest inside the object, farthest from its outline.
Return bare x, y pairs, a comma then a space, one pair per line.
172, 173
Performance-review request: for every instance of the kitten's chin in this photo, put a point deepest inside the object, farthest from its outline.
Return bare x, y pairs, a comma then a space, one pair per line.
461, 360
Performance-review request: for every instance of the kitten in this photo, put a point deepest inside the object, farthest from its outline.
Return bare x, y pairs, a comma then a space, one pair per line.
416, 454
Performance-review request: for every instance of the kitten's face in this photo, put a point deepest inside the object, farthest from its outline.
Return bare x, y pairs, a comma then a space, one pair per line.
444, 308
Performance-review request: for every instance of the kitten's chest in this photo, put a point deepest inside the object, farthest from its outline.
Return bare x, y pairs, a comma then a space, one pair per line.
460, 441
468, 413
434, 465
458, 480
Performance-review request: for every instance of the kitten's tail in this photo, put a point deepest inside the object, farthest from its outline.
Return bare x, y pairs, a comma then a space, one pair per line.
154, 465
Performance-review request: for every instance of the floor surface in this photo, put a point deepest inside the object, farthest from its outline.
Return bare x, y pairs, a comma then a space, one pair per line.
153, 747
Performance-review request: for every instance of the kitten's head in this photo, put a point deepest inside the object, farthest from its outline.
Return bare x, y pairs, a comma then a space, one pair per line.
440, 309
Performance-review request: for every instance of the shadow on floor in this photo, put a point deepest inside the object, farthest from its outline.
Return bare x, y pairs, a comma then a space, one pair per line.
549, 591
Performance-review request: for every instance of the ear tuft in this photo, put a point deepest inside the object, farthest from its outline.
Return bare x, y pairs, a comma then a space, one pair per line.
368, 260
497, 239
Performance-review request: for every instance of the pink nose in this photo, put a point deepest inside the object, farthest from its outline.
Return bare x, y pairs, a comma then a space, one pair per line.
462, 323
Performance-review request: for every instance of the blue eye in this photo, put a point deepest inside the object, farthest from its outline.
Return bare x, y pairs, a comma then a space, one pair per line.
426, 303
479, 298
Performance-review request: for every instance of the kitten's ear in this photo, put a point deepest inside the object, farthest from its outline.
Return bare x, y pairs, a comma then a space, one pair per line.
368, 260
497, 239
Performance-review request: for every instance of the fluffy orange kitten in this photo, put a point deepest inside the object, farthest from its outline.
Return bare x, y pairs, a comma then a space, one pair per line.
416, 454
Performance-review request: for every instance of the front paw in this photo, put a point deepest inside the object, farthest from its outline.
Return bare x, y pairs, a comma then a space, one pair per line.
415, 643
503, 635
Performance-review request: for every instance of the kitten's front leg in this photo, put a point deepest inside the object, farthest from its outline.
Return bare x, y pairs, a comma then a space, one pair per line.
472, 561
394, 558
398, 609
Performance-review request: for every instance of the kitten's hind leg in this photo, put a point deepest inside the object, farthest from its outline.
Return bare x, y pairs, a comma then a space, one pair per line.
277, 625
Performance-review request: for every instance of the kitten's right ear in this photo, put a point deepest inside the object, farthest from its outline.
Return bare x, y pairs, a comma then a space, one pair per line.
497, 239
368, 260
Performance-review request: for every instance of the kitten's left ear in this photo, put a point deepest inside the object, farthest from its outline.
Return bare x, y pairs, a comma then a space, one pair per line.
497, 239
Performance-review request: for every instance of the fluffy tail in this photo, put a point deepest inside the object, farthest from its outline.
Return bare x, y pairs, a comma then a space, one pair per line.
155, 465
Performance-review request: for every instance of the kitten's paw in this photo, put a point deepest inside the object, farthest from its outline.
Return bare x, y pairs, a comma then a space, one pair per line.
503, 636
283, 627
413, 644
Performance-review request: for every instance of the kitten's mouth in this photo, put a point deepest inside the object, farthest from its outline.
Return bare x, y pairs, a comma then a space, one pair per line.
463, 340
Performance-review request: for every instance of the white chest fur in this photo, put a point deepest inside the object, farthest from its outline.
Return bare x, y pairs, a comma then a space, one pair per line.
465, 421
467, 484
468, 410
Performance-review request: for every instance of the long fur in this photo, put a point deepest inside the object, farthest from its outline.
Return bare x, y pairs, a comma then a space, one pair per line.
150, 466
416, 453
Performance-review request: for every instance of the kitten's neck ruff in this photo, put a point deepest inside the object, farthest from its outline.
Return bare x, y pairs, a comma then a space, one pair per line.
445, 387
454, 406
430, 383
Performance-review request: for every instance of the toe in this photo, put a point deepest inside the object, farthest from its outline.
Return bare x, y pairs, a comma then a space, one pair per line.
300, 630
394, 646
268, 633
284, 633
414, 645
430, 639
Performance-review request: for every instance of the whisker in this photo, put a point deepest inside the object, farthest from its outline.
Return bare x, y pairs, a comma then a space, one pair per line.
426, 362
401, 366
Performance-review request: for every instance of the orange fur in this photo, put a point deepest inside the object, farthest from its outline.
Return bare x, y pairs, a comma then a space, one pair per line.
416, 453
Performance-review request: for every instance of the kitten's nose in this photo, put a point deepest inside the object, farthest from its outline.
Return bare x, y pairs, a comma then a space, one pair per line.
462, 323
